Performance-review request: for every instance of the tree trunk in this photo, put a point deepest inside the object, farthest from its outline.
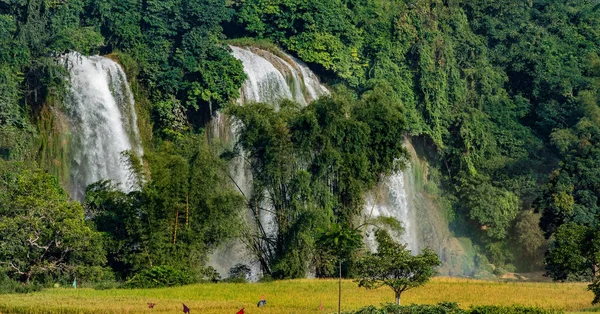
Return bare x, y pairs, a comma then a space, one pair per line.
340, 290
398, 298
176, 226
187, 209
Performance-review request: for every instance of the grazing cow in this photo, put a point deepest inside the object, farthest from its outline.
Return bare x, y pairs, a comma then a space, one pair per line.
151, 305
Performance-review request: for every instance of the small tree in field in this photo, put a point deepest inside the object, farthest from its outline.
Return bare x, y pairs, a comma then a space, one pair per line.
340, 241
394, 266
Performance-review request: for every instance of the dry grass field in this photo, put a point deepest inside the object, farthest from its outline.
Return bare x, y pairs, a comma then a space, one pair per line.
294, 296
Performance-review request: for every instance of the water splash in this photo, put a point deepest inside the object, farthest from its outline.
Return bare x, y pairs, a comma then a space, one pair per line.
103, 123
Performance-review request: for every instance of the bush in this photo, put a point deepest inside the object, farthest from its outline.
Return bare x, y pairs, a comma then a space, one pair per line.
8, 285
210, 274
440, 308
266, 278
491, 309
160, 276
107, 285
239, 273
452, 308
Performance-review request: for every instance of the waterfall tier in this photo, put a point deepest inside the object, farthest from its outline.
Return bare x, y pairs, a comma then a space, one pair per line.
102, 121
272, 78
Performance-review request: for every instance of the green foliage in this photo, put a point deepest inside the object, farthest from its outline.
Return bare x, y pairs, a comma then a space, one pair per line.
452, 308
185, 209
160, 277
574, 253
492, 309
394, 266
44, 233
530, 238
239, 273
312, 163
177, 45
335, 245
492, 207
440, 308
504, 95
497, 89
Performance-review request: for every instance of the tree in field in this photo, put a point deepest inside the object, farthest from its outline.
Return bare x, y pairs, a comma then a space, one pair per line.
42, 232
339, 241
395, 267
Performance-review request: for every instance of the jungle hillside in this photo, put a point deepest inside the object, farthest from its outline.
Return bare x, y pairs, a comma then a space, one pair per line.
499, 99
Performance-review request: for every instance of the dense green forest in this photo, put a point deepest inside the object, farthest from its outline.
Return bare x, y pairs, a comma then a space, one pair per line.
502, 98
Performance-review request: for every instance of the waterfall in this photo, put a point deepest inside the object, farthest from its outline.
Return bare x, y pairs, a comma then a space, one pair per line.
271, 78
102, 121
393, 201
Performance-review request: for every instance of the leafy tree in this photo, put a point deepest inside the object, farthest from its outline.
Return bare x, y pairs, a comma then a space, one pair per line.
572, 255
338, 243
530, 238
395, 267
185, 209
239, 273
341, 242
43, 232
571, 209
312, 164
495, 208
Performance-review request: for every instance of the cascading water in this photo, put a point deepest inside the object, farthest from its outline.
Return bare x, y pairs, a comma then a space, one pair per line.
394, 202
271, 79
102, 121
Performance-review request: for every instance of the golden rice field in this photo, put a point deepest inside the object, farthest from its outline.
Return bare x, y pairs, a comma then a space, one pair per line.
295, 296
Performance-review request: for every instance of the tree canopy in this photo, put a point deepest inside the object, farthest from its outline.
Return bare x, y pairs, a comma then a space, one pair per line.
394, 266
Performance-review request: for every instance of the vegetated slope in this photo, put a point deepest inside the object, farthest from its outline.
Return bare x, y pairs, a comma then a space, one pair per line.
500, 98
496, 93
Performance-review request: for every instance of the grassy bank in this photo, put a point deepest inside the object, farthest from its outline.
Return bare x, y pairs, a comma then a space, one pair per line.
295, 296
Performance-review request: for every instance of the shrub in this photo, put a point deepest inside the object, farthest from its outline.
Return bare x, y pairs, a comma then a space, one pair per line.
107, 285
8, 285
491, 309
160, 276
440, 308
210, 274
452, 308
239, 273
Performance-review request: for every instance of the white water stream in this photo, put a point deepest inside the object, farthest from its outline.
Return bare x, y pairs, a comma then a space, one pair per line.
102, 122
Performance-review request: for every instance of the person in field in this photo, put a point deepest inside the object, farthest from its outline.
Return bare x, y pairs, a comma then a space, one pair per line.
262, 301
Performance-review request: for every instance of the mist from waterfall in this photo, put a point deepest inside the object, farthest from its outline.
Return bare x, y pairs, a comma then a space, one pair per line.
102, 122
